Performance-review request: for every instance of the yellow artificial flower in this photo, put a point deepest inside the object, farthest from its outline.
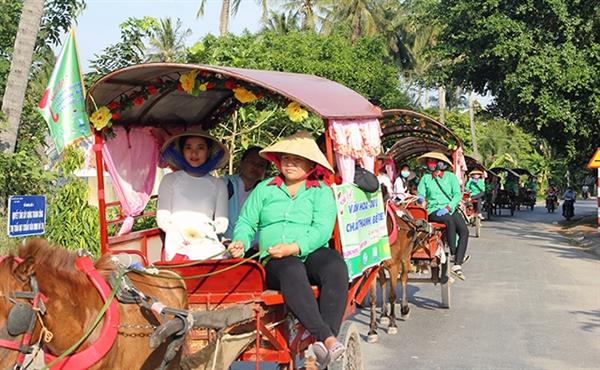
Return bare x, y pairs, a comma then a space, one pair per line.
188, 81
203, 87
101, 118
243, 95
295, 112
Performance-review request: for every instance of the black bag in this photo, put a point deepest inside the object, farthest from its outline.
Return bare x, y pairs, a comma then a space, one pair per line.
365, 180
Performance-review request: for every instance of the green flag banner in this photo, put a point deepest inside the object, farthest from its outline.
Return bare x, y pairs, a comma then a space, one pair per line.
363, 231
63, 102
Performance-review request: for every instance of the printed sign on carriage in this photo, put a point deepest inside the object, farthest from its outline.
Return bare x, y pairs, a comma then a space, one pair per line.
26, 215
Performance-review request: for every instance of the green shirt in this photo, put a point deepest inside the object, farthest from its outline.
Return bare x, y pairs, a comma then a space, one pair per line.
475, 186
306, 219
435, 197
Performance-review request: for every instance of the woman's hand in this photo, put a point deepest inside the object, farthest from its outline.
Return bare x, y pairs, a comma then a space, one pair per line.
236, 249
283, 250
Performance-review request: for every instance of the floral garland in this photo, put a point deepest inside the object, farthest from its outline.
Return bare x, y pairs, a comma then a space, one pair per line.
194, 82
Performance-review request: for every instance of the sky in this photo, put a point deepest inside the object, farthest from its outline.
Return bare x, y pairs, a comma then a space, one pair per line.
98, 25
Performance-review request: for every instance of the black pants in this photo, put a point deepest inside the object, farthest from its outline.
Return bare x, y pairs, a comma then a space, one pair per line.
479, 199
455, 224
325, 268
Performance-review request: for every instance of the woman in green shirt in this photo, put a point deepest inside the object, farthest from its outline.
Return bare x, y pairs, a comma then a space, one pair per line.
294, 213
442, 191
476, 188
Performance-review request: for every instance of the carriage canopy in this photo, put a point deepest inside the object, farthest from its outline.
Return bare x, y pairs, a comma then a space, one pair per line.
165, 94
407, 134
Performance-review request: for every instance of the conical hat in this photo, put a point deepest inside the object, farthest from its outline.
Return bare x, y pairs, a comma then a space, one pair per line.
216, 144
301, 144
476, 172
434, 155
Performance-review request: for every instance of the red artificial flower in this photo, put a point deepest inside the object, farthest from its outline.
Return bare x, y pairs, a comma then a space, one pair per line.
259, 95
229, 84
152, 90
204, 73
210, 85
113, 105
179, 87
159, 81
138, 100
116, 116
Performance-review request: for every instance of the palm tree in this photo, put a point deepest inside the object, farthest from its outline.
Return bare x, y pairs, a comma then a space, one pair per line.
16, 83
168, 42
231, 7
282, 23
309, 11
365, 17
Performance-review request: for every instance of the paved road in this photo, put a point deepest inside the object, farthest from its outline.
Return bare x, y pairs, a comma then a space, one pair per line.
530, 301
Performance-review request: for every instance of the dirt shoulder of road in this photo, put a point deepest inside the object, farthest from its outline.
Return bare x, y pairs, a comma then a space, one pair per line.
583, 232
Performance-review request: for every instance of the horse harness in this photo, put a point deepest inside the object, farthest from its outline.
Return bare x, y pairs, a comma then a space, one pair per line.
23, 316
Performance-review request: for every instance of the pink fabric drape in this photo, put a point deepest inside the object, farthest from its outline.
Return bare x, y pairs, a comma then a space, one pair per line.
353, 140
460, 166
131, 157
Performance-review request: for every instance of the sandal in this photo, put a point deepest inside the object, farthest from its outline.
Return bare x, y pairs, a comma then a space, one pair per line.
456, 270
336, 352
322, 355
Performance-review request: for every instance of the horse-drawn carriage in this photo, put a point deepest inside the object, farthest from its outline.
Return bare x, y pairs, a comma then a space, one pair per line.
527, 193
134, 110
508, 193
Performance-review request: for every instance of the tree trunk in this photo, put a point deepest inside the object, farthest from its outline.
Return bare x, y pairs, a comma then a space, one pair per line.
472, 123
224, 21
16, 83
442, 103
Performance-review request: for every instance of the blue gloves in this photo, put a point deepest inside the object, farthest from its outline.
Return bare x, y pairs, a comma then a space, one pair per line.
441, 212
420, 200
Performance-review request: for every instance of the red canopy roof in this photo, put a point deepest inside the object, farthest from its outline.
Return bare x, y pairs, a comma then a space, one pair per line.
328, 99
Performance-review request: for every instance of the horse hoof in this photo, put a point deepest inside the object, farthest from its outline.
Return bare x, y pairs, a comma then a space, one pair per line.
392, 330
405, 317
384, 320
404, 313
372, 338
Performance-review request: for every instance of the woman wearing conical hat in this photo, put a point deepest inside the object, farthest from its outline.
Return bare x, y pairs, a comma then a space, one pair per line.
476, 188
192, 204
294, 214
442, 191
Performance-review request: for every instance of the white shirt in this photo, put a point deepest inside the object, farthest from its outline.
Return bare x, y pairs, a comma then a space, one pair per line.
186, 205
385, 181
400, 191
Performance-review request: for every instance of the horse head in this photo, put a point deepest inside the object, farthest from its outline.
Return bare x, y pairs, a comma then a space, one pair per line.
17, 308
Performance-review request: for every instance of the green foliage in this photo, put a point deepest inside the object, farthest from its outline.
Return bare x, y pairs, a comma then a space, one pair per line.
540, 59
363, 66
71, 221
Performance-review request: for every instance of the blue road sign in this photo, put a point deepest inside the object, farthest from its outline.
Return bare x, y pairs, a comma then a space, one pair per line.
26, 215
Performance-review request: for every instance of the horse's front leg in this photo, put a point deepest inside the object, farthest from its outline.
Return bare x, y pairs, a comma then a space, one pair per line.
404, 309
372, 336
394, 270
383, 281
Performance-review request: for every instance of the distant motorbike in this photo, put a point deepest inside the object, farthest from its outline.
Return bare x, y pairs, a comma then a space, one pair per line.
568, 209
551, 200
585, 193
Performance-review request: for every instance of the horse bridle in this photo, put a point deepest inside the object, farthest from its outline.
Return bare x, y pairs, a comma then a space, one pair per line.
22, 318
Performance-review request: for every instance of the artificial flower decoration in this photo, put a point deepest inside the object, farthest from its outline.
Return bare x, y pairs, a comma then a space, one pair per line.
188, 81
138, 100
101, 118
113, 105
203, 87
152, 90
243, 95
295, 112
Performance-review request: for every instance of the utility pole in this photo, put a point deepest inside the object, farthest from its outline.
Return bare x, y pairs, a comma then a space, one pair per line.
472, 123
442, 103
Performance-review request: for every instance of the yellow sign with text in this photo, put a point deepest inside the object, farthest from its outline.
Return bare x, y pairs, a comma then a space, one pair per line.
595, 161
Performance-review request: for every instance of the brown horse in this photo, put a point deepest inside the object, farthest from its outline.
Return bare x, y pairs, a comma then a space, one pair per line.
72, 304
412, 236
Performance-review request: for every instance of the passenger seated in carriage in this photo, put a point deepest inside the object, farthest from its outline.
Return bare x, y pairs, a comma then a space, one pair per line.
251, 171
192, 204
294, 213
402, 183
476, 188
442, 191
